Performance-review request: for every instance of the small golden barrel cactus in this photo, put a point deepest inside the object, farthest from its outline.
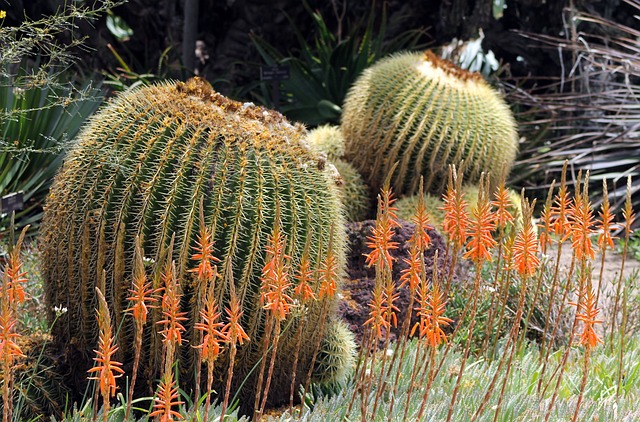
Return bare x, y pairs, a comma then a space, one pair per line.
425, 113
141, 169
328, 139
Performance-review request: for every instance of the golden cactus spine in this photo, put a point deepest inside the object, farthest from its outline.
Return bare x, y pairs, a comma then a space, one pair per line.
425, 113
141, 168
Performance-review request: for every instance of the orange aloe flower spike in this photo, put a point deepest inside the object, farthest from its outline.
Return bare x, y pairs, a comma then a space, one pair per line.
107, 368
605, 223
211, 327
581, 223
377, 320
502, 203
9, 348
525, 247
480, 238
588, 313
233, 329
171, 323
166, 399
456, 218
303, 291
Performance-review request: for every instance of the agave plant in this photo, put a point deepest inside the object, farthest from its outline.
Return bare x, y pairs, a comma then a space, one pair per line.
322, 73
589, 115
37, 120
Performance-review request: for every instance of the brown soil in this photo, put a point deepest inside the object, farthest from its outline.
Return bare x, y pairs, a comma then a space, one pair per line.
358, 288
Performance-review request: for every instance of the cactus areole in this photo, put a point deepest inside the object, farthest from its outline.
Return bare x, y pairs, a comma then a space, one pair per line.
425, 113
142, 167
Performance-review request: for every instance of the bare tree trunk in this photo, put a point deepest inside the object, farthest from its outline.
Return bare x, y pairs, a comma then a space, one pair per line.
189, 34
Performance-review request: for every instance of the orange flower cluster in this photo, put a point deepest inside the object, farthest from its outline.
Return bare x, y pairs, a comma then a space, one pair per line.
275, 277
107, 368
581, 218
14, 278
377, 316
233, 330
587, 313
171, 323
9, 348
204, 255
525, 250
502, 216
412, 274
328, 275
431, 307
303, 291
456, 218
211, 327
481, 240
165, 400
380, 240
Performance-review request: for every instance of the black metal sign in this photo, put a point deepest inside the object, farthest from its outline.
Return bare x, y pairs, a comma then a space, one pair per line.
275, 73
12, 202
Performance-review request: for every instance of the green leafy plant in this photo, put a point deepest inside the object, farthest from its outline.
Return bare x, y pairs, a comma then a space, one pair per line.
322, 71
37, 123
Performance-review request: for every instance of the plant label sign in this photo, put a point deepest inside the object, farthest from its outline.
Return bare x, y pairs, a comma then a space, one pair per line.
275, 73
12, 202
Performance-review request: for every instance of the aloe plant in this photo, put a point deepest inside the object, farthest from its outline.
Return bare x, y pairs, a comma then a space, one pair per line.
37, 122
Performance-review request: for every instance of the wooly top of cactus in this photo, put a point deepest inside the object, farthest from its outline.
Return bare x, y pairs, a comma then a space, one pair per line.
425, 114
327, 139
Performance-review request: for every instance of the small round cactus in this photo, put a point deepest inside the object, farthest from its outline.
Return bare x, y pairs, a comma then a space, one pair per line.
144, 167
354, 193
425, 113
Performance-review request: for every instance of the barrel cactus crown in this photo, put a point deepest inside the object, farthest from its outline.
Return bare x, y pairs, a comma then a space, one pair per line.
425, 113
144, 167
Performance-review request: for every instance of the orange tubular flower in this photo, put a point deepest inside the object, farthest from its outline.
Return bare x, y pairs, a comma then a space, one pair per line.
502, 203
377, 320
106, 367
389, 310
587, 313
431, 309
456, 218
165, 400
141, 298
412, 274
9, 349
172, 327
329, 275
605, 223
525, 250
581, 231
303, 291
233, 330
212, 330
481, 241
15, 278
380, 240
275, 278
560, 214
204, 255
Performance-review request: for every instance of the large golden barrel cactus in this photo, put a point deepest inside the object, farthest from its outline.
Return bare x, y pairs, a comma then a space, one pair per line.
142, 168
425, 113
